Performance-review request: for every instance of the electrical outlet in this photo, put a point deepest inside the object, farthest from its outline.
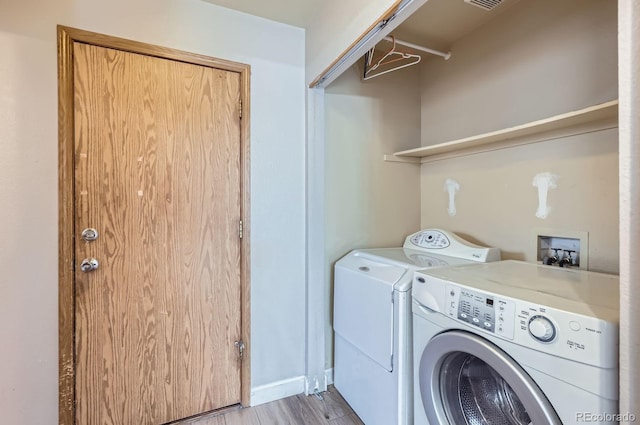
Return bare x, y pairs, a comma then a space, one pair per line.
562, 248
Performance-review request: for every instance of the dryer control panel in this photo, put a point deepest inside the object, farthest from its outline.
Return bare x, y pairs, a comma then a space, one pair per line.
434, 239
487, 312
446, 243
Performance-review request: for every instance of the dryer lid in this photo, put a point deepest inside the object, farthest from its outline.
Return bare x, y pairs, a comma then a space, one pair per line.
373, 268
415, 258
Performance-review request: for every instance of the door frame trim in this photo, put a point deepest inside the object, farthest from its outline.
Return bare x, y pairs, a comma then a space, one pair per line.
66, 284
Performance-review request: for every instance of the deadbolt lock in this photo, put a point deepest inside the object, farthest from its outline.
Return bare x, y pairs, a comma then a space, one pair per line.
89, 234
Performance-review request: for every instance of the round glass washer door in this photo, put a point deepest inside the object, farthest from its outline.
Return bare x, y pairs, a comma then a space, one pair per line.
466, 380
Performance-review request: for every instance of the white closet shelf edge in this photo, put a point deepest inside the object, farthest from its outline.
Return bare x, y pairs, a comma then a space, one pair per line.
593, 118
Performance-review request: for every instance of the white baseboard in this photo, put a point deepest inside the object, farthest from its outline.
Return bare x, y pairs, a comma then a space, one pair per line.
277, 390
283, 389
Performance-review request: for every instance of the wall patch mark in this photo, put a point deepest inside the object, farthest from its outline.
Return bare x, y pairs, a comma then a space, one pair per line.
452, 187
544, 182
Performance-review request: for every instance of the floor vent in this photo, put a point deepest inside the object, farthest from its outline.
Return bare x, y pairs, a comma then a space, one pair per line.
485, 4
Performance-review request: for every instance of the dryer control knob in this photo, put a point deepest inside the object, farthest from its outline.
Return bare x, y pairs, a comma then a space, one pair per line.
542, 329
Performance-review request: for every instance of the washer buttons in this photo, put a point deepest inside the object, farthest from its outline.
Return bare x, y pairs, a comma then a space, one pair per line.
575, 326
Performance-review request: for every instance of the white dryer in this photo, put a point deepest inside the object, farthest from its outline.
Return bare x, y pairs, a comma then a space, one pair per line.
515, 343
372, 320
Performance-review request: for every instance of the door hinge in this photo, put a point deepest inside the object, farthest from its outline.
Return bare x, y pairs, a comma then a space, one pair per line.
240, 346
240, 107
240, 230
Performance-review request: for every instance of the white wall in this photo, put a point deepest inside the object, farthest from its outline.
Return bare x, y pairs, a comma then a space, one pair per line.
533, 61
369, 202
28, 179
496, 204
536, 60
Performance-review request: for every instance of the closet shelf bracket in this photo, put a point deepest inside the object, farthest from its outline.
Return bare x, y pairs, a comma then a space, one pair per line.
406, 160
445, 55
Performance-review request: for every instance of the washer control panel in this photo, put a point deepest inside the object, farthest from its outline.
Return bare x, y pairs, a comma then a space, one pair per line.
487, 312
542, 328
566, 334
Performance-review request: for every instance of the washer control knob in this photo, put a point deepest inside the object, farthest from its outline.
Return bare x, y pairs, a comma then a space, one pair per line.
542, 329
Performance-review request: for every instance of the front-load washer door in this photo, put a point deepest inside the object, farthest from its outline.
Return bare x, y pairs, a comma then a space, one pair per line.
465, 379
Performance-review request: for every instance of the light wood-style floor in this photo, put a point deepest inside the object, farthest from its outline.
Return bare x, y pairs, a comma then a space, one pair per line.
295, 410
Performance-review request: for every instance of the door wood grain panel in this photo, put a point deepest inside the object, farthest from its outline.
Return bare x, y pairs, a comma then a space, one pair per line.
158, 174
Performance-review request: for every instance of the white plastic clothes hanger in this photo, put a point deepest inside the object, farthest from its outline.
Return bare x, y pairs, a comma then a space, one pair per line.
391, 56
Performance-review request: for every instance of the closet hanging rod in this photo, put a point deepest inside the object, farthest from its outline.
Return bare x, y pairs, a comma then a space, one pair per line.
446, 55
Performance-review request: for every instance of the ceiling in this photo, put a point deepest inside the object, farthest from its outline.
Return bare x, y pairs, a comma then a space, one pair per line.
437, 25
440, 23
297, 13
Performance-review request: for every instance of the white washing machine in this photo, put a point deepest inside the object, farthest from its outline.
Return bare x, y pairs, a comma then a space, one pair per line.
515, 343
372, 321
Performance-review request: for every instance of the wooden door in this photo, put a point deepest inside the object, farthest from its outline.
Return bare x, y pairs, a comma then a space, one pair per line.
157, 174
